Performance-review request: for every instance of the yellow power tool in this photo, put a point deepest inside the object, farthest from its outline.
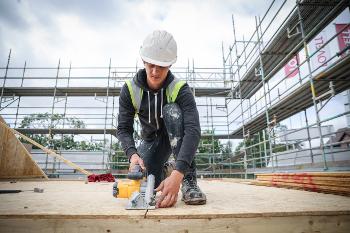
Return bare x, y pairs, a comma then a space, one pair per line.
138, 189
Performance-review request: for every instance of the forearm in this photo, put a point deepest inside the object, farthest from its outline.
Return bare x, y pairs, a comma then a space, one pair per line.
127, 142
192, 131
188, 150
125, 129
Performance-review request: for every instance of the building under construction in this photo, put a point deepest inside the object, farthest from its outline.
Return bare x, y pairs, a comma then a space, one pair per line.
275, 114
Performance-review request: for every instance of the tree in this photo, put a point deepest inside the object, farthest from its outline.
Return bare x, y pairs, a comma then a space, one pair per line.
46, 121
209, 145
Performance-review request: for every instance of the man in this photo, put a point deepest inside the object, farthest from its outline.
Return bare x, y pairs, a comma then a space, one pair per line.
169, 122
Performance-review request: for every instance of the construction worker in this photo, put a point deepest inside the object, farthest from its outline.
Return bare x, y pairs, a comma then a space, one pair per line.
169, 119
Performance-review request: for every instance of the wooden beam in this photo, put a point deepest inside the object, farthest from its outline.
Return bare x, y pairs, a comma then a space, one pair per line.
327, 182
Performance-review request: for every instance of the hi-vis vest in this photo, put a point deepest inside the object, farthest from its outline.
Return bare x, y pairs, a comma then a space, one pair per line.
136, 92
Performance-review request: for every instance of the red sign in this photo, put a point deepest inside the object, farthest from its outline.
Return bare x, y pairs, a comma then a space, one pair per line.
291, 68
343, 37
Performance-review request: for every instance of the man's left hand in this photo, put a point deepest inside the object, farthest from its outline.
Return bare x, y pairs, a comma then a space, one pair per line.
170, 189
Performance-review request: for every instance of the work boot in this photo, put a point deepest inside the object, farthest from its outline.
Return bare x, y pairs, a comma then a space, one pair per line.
191, 193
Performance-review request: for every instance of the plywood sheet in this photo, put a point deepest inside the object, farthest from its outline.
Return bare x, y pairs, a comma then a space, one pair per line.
15, 160
75, 198
73, 206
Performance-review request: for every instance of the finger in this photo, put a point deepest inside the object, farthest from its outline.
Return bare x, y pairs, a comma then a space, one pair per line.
160, 187
161, 198
173, 200
169, 201
166, 201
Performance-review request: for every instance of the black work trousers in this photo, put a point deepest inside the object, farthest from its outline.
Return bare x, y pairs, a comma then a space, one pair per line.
157, 152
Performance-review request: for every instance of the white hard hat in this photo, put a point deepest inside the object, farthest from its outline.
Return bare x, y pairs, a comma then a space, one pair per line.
159, 48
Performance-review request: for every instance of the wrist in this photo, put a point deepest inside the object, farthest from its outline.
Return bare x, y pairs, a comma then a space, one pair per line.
178, 176
134, 158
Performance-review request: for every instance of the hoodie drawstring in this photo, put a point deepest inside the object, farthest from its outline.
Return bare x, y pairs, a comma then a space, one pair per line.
149, 108
161, 103
156, 108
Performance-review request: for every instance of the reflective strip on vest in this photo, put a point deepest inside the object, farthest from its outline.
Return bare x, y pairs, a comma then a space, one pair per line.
173, 89
135, 94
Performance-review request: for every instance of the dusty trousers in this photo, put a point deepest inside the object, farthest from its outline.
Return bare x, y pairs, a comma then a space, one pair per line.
157, 152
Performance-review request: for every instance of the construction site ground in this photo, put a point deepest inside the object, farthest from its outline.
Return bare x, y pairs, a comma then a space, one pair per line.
232, 206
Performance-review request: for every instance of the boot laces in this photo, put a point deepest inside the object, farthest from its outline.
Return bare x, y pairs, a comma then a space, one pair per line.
191, 183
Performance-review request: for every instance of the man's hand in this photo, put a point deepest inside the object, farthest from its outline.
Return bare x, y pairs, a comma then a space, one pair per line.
134, 160
170, 189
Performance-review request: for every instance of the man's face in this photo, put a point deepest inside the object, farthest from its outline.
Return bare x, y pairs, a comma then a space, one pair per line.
156, 75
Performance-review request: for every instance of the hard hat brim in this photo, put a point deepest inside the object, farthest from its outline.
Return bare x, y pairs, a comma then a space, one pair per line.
158, 63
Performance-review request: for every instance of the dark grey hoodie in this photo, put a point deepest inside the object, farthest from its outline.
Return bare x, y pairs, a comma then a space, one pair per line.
152, 124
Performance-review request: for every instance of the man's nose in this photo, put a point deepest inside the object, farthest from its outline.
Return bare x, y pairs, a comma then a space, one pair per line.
155, 70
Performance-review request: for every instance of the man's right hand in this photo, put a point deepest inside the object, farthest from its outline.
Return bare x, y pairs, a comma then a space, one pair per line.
134, 160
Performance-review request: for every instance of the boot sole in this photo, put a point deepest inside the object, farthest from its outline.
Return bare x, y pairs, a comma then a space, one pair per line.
195, 201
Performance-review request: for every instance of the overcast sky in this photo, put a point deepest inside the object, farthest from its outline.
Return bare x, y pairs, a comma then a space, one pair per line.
90, 32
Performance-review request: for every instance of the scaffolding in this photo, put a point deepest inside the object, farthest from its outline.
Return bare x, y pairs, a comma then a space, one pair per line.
256, 79
91, 94
243, 100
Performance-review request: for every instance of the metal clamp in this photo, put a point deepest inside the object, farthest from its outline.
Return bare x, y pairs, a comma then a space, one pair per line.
247, 135
290, 30
273, 122
330, 93
5, 99
58, 99
258, 71
101, 99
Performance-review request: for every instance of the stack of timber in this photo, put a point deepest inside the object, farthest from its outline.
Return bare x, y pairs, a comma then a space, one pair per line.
325, 182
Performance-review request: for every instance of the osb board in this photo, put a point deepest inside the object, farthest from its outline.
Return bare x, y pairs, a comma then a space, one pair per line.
77, 200
294, 224
15, 160
73, 206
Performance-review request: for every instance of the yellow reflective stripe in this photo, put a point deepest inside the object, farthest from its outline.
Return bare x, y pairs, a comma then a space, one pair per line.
139, 105
176, 90
131, 91
167, 95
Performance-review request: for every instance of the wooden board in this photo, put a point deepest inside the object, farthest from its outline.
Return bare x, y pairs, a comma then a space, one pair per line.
15, 160
314, 174
310, 182
313, 188
328, 182
73, 206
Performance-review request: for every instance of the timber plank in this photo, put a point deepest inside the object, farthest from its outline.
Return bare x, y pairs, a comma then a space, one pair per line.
314, 188
307, 181
320, 174
315, 178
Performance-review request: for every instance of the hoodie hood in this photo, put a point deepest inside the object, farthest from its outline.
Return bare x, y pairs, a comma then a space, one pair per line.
141, 80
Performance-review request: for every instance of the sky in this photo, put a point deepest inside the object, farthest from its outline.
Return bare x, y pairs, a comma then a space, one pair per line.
91, 32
